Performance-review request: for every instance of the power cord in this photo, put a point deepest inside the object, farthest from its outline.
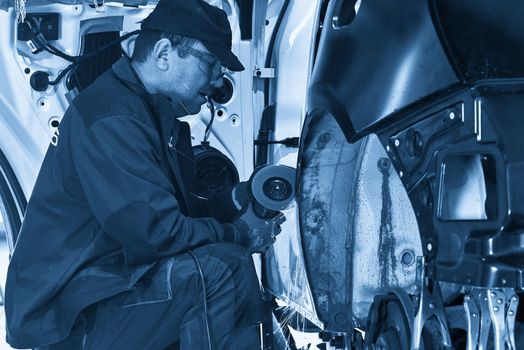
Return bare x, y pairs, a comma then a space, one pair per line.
293, 142
197, 262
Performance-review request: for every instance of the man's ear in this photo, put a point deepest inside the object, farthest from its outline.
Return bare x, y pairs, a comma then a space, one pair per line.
160, 53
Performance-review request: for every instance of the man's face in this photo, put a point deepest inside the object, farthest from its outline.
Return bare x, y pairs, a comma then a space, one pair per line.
192, 74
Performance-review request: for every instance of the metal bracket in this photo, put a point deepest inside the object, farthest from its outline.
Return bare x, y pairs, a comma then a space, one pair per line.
496, 303
264, 73
473, 317
510, 318
430, 304
485, 319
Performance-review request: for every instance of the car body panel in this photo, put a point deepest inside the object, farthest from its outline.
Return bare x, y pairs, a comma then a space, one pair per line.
358, 230
388, 57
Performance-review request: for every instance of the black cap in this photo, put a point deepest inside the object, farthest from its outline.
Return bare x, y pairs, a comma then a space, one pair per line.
196, 19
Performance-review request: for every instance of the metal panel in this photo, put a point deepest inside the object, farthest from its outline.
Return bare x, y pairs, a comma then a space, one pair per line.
359, 232
386, 59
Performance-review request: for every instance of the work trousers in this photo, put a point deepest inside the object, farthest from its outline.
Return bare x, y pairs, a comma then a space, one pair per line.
165, 310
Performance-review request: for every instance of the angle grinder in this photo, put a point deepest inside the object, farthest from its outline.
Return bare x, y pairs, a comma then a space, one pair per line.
273, 189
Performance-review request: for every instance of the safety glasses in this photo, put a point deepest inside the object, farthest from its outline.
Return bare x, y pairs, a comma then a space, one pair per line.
213, 67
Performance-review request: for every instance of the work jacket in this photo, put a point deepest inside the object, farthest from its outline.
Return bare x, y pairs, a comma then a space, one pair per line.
110, 200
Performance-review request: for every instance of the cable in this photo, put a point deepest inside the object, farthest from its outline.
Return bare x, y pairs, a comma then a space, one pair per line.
108, 45
205, 296
62, 74
39, 42
211, 107
54, 51
77, 59
293, 142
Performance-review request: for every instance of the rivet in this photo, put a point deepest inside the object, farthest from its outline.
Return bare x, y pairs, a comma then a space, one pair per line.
496, 309
511, 313
431, 306
475, 314
430, 247
397, 142
388, 148
43, 103
235, 120
499, 301
452, 115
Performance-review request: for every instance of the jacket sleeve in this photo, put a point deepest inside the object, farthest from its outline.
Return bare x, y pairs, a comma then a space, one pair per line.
218, 205
118, 166
222, 207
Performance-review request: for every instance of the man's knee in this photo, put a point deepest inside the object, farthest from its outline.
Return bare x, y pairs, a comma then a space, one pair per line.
223, 250
229, 261
237, 271
231, 266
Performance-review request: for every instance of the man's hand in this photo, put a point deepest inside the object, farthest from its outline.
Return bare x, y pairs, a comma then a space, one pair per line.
255, 233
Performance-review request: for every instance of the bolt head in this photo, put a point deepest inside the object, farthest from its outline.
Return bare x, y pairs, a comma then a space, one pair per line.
496, 309
452, 115
511, 313
397, 142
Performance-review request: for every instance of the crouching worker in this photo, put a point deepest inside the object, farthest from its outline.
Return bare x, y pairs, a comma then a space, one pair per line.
110, 255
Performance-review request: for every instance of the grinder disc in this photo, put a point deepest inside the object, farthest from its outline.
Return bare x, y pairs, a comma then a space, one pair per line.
273, 186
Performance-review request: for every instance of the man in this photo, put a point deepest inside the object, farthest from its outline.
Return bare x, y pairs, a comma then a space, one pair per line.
111, 254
